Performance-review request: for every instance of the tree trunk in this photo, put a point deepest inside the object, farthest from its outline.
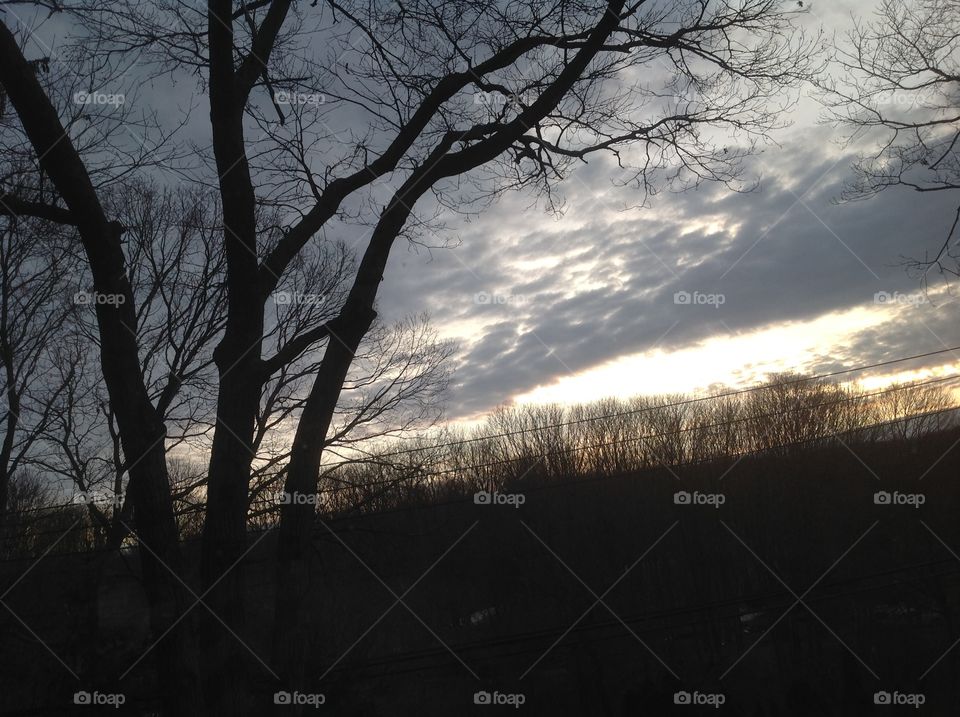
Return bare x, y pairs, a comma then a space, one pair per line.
141, 430
239, 361
224, 543
297, 518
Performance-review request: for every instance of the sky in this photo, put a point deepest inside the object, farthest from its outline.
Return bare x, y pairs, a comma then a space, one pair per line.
783, 278
695, 290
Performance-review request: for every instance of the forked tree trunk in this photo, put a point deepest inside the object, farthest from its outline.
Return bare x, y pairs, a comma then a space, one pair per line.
241, 377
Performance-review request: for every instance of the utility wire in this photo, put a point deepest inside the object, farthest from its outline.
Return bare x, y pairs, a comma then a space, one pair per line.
574, 449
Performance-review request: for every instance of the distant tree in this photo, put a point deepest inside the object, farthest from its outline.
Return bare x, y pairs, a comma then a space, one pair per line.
912, 411
788, 414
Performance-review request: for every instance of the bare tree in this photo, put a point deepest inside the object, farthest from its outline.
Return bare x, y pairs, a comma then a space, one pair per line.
396, 386
176, 267
34, 528
789, 414
898, 82
912, 411
58, 162
34, 307
456, 101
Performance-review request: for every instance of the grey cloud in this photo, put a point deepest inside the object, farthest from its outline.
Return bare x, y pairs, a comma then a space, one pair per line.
611, 290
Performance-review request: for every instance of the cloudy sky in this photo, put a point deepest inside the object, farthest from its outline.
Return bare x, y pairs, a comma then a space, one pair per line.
586, 305
695, 290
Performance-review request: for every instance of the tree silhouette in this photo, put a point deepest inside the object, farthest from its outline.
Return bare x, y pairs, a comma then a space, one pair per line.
897, 82
449, 104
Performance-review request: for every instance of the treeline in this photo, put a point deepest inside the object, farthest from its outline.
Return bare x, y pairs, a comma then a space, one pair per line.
532, 443
684, 583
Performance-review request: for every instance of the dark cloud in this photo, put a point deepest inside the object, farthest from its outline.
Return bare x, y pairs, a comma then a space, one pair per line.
599, 284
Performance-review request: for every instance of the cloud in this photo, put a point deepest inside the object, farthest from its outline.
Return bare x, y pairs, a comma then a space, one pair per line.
599, 283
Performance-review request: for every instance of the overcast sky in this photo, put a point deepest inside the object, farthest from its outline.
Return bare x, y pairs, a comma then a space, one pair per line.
583, 306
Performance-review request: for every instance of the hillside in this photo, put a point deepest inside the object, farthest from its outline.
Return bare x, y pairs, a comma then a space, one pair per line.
798, 592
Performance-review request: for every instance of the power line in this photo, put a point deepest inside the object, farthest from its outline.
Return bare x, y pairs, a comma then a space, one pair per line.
683, 402
689, 429
553, 484
574, 449
631, 439
645, 409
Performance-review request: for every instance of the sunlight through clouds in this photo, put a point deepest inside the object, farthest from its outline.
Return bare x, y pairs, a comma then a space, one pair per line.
735, 361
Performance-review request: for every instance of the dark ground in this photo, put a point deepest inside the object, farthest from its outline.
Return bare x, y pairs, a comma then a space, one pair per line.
692, 599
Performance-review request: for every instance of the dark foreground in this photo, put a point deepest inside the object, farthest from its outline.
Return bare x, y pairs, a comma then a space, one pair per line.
785, 586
